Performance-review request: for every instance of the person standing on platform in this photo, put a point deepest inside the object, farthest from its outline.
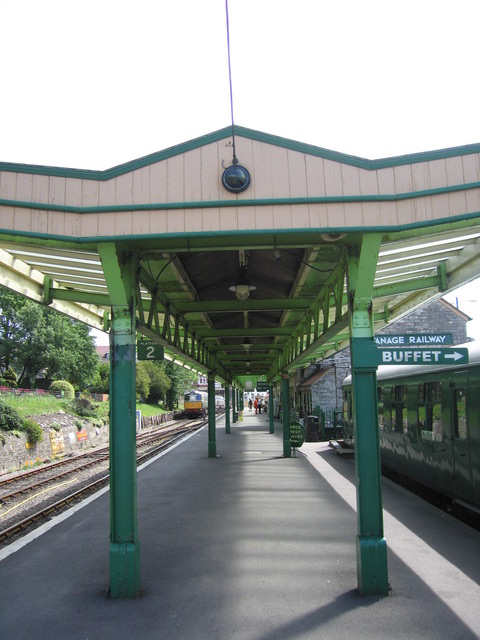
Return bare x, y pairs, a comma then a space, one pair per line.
250, 404
255, 404
260, 406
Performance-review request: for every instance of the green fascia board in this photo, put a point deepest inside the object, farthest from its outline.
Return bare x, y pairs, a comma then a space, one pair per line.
251, 134
205, 240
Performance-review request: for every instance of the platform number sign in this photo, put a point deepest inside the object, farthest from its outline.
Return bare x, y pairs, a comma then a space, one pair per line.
149, 350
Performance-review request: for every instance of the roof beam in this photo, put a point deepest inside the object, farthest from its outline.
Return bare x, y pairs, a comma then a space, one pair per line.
27, 281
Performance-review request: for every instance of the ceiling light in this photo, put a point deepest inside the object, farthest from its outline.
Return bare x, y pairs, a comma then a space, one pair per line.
247, 344
332, 237
242, 286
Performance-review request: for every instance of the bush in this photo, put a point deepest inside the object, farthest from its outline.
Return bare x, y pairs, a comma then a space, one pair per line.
83, 407
33, 430
64, 388
10, 420
9, 378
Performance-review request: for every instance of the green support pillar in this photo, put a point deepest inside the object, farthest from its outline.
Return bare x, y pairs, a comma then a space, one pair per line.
212, 436
372, 573
234, 404
124, 543
119, 269
287, 446
227, 409
270, 409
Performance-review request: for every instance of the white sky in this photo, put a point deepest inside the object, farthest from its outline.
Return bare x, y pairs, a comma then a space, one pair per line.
96, 83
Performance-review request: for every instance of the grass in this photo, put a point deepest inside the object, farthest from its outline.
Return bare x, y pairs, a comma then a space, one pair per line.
149, 409
31, 404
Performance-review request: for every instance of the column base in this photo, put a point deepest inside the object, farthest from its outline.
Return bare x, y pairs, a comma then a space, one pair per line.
212, 449
124, 569
372, 573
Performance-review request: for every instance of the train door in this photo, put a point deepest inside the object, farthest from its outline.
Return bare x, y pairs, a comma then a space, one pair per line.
462, 472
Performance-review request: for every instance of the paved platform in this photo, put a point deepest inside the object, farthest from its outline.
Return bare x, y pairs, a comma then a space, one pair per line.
247, 546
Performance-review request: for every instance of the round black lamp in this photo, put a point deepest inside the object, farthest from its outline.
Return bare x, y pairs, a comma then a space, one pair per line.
235, 178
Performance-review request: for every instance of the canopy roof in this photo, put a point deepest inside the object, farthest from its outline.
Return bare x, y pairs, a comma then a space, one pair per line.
65, 232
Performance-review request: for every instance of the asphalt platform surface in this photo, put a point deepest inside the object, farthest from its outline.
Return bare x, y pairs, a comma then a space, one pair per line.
245, 546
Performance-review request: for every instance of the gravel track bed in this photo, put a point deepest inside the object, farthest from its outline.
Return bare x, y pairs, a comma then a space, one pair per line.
26, 505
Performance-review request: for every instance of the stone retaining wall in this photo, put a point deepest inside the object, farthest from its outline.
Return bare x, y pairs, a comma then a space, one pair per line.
63, 433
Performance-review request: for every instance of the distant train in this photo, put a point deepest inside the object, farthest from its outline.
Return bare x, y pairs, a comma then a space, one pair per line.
195, 404
429, 420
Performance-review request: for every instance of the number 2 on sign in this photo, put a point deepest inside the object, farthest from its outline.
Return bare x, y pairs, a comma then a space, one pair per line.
150, 353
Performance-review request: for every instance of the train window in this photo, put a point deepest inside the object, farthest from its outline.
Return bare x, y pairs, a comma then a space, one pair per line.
380, 408
387, 407
460, 417
347, 407
399, 409
430, 411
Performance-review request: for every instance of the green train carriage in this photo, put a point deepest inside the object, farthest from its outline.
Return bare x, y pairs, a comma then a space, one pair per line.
429, 424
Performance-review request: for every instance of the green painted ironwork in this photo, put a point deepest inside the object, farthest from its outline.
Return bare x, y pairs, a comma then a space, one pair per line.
160, 319
287, 447
212, 438
227, 409
124, 543
318, 325
271, 417
372, 574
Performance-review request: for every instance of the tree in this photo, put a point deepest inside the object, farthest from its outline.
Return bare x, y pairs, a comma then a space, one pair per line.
181, 380
142, 380
159, 381
101, 382
39, 342
73, 356
10, 304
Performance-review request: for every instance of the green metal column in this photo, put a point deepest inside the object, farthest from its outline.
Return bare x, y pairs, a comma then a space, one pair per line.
119, 272
372, 573
287, 446
212, 437
270, 409
227, 409
234, 404
124, 543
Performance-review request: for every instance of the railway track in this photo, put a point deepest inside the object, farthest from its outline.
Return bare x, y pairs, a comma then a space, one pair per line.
35, 496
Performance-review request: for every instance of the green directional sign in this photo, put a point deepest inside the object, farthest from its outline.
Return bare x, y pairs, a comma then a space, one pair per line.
413, 340
423, 356
149, 350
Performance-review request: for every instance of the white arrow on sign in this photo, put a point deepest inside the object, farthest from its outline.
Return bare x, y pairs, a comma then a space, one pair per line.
454, 356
